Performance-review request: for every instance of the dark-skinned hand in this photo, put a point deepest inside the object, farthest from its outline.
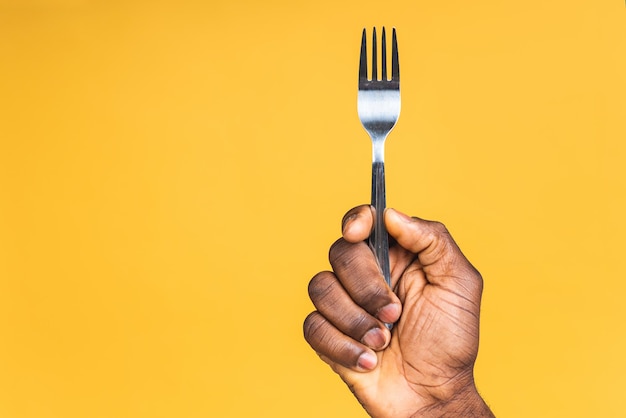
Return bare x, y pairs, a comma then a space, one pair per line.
424, 366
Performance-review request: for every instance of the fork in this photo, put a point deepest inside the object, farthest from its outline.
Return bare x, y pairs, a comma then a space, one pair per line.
379, 108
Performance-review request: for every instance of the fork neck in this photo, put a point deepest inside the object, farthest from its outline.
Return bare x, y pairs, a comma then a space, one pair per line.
378, 149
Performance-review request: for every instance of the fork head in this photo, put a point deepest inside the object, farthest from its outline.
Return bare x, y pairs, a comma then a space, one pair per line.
394, 82
379, 99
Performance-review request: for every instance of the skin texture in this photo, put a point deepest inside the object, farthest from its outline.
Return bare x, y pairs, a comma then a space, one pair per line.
424, 366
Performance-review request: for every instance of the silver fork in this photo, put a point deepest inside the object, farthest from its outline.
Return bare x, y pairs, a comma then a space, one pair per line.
379, 109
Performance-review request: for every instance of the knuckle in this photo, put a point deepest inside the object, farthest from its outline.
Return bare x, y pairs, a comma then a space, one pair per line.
311, 326
318, 334
439, 228
478, 279
337, 249
343, 257
321, 285
441, 245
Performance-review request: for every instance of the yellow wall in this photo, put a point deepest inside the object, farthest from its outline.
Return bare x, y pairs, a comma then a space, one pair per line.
172, 173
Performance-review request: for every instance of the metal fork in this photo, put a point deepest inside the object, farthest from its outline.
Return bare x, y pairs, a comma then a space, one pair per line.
379, 109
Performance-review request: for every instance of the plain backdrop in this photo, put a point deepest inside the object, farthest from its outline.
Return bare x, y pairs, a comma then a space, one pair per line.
172, 174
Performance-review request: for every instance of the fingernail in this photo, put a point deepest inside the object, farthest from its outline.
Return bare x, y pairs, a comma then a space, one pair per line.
402, 216
389, 313
374, 338
367, 361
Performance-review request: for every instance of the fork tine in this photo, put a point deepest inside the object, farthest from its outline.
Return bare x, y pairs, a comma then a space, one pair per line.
363, 59
395, 66
374, 64
384, 56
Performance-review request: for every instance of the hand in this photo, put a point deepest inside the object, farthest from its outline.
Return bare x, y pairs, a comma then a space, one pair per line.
424, 366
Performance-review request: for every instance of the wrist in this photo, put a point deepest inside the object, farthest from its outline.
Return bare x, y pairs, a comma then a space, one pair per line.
465, 403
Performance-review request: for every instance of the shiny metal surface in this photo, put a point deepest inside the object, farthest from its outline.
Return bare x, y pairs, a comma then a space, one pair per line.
379, 108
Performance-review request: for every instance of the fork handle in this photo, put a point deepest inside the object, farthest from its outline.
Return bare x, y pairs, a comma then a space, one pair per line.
379, 239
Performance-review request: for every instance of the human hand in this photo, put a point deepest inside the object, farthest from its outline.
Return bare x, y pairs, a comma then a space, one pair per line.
424, 366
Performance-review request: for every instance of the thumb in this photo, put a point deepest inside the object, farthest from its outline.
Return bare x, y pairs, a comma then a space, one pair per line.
441, 258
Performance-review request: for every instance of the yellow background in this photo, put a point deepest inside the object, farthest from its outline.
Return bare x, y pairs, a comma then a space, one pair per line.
173, 172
